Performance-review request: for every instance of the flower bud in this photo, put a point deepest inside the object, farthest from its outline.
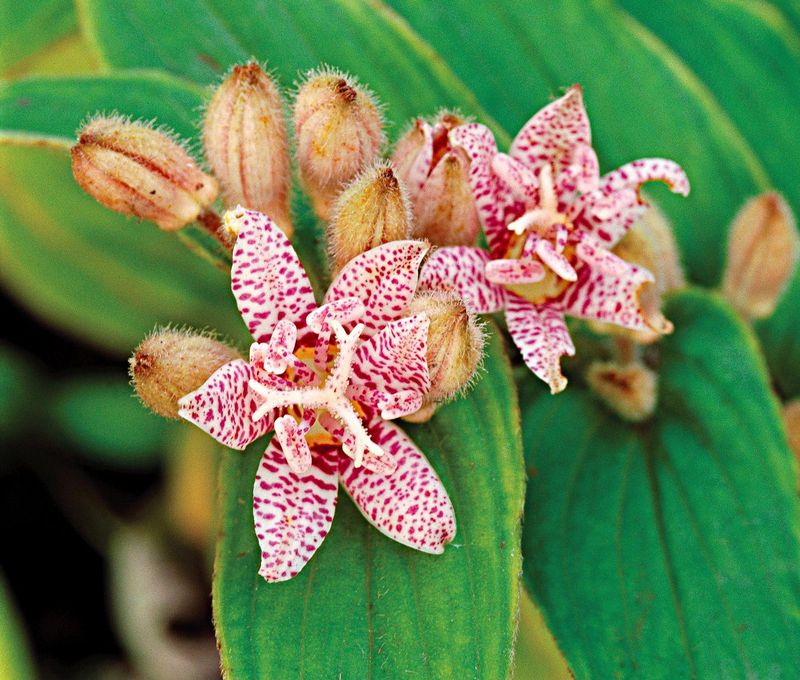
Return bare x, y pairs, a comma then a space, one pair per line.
791, 421
372, 210
246, 144
338, 130
170, 363
650, 243
630, 390
455, 347
762, 253
437, 178
133, 169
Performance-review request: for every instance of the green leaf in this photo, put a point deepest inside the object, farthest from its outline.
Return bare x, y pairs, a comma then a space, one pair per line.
15, 659
92, 272
366, 39
102, 418
29, 26
368, 607
669, 549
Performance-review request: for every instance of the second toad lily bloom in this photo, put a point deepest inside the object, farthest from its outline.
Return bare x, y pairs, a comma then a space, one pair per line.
326, 379
550, 220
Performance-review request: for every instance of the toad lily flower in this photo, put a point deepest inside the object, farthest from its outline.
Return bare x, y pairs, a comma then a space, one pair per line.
550, 220
326, 379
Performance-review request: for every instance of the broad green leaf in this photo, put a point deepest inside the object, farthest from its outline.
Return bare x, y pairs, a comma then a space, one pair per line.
668, 549
368, 607
101, 418
15, 659
755, 44
95, 273
642, 99
200, 42
29, 26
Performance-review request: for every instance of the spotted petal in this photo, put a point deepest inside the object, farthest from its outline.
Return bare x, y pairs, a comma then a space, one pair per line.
223, 407
542, 336
267, 279
607, 290
608, 212
416, 169
411, 505
384, 279
394, 361
461, 269
292, 512
494, 199
553, 133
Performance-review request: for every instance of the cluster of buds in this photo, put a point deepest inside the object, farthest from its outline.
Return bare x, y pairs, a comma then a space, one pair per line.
136, 169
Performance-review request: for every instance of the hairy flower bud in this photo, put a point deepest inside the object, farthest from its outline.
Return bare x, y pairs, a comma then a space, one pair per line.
171, 363
246, 143
372, 210
339, 132
762, 253
437, 179
630, 389
649, 243
455, 347
133, 169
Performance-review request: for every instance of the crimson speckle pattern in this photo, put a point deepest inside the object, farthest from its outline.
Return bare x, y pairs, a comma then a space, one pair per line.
223, 407
267, 279
460, 269
550, 189
384, 279
411, 505
293, 513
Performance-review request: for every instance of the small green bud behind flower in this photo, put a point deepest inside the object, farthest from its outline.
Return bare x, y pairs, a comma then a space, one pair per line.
171, 363
437, 177
136, 170
455, 347
338, 131
246, 143
762, 254
629, 389
372, 210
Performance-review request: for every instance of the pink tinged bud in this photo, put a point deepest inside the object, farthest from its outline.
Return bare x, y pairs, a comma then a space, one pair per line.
630, 389
762, 254
246, 143
371, 211
455, 347
437, 175
339, 133
445, 211
134, 169
170, 364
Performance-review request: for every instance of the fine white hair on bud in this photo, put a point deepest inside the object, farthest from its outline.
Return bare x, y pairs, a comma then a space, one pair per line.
373, 209
132, 168
455, 347
170, 363
762, 255
246, 143
338, 132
